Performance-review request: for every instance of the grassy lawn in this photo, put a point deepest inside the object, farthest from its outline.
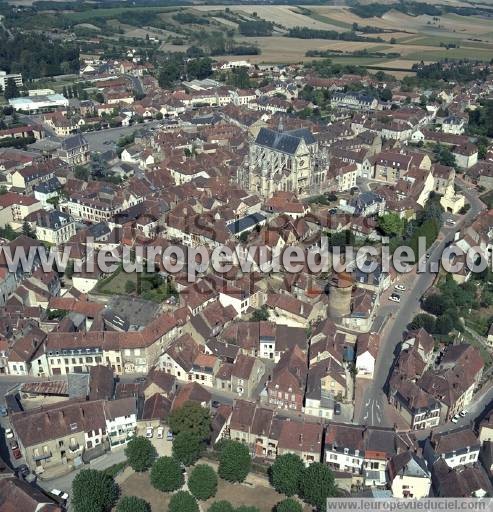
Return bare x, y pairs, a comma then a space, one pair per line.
146, 286
139, 485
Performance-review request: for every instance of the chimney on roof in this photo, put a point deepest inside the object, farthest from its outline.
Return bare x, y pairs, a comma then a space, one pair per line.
280, 128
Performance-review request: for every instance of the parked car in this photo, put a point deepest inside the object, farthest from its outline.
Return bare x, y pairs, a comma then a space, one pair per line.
337, 409
149, 432
16, 453
9, 434
395, 297
464, 412
400, 287
61, 495
160, 432
455, 419
169, 436
451, 222
13, 444
215, 404
3, 411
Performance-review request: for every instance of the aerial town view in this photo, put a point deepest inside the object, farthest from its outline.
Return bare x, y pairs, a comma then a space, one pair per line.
246, 255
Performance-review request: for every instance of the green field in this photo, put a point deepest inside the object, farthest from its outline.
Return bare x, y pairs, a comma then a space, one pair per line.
325, 19
453, 53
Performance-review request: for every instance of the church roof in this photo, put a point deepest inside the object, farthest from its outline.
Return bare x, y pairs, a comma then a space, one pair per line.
285, 142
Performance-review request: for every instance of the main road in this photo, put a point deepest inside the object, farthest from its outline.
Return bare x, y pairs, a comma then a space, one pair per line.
374, 399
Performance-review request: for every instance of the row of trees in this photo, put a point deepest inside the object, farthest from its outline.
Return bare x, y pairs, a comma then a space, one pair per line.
95, 491
310, 33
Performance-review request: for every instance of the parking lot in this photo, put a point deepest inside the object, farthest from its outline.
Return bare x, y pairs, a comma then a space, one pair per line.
163, 446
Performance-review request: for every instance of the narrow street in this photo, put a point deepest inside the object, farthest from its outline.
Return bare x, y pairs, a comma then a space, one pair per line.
374, 400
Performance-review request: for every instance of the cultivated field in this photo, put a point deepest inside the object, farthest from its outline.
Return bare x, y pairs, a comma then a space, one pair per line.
414, 38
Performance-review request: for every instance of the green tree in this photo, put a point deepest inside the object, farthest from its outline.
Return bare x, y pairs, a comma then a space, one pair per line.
93, 491
199, 68
286, 473
221, 506
81, 172
133, 504
166, 474
260, 315
444, 324
183, 501
202, 482
140, 453
239, 78
11, 89
187, 447
386, 94
317, 485
168, 74
391, 224
289, 505
27, 230
444, 155
234, 462
192, 417
423, 320
436, 304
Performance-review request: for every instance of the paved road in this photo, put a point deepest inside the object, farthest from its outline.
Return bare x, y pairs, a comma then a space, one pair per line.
374, 398
137, 84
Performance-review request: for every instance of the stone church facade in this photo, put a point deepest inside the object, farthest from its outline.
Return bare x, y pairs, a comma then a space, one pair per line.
283, 161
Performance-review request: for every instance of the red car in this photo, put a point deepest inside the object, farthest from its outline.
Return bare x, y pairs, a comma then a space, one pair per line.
17, 453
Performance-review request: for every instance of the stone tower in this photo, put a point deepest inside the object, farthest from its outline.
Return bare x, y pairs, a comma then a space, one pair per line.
340, 290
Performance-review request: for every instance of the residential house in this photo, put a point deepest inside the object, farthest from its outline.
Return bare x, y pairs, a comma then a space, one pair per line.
408, 476
458, 447
367, 346
121, 420
54, 227
301, 438
58, 435
74, 150
286, 389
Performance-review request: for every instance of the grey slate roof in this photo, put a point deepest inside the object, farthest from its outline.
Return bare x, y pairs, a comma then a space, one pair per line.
245, 223
74, 142
285, 142
52, 185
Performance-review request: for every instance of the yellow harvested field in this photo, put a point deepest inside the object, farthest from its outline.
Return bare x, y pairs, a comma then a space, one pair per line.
449, 25
397, 63
284, 15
